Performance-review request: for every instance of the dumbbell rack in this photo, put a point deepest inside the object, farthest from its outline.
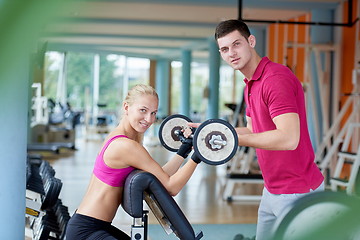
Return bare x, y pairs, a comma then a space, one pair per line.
46, 216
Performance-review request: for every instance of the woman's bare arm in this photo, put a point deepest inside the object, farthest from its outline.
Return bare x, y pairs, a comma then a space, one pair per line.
125, 152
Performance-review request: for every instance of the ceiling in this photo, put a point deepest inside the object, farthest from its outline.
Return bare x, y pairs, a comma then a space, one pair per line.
159, 28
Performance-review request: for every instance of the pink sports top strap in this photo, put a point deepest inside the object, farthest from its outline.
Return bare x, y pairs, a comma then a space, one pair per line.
112, 176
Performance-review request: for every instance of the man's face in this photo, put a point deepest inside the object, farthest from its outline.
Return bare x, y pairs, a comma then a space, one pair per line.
235, 49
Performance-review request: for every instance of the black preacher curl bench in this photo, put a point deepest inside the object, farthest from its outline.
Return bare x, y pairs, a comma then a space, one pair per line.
141, 185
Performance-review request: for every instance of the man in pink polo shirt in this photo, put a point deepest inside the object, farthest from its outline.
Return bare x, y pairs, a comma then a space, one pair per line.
276, 125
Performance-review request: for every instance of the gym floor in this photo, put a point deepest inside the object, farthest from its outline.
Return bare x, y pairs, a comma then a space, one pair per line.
200, 200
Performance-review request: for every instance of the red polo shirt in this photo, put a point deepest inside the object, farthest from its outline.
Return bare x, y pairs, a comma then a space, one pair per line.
272, 91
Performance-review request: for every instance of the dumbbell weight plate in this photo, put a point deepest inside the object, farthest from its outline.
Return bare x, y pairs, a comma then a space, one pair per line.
215, 141
167, 129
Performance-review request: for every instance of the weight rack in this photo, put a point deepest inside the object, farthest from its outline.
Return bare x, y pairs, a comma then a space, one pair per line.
45, 216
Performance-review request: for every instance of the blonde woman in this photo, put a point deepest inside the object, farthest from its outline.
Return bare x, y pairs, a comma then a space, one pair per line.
121, 153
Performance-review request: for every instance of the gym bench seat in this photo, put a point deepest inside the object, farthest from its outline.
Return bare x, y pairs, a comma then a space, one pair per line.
141, 185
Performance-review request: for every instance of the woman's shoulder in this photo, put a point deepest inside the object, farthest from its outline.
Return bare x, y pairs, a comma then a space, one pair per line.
122, 146
123, 140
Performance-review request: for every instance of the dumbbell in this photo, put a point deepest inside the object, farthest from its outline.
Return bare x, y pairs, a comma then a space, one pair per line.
215, 140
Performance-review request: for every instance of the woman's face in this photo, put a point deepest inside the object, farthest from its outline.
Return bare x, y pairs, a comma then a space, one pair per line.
142, 112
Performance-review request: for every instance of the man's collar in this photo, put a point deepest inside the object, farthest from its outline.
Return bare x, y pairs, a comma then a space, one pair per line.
259, 70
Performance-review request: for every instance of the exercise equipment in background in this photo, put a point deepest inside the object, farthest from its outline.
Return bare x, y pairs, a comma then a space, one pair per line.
46, 217
243, 168
52, 124
99, 122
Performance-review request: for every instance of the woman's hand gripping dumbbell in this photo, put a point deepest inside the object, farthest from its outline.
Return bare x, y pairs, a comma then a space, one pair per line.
186, 137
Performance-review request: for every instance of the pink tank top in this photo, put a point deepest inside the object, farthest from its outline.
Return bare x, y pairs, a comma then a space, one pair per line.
114, 177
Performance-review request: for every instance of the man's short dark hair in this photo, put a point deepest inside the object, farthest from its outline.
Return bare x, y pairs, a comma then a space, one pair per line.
228, 26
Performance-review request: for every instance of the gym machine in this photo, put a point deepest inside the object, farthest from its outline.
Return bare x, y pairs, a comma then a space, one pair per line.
52, 124
140, 186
